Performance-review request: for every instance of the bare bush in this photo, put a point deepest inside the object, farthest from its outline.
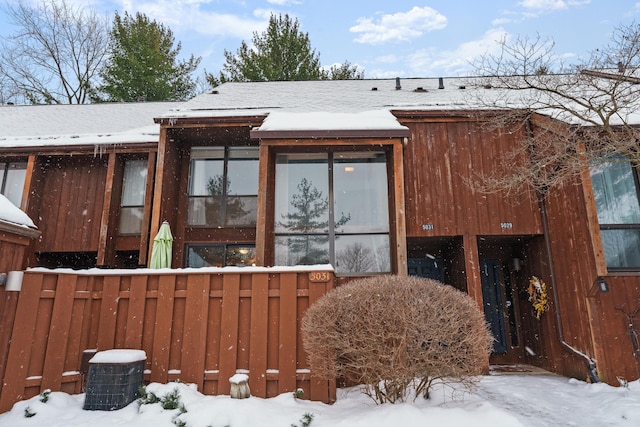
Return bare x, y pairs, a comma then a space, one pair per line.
393, 333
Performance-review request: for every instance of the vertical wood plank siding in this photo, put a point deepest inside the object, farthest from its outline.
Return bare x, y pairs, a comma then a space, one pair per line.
199, 328
72, 200
440, 159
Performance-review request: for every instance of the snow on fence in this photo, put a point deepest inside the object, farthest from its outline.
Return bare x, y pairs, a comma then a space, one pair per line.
196, 327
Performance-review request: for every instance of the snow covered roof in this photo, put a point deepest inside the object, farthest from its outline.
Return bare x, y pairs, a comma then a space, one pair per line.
330, 96
15, 221
410, 94
293, 106
313, 124
85, 124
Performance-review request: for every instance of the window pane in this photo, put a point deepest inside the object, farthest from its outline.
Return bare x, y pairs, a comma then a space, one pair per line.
205, 256
134, 183
301, 250
13, 184
131, 220
302, 193
242, 172
615, 193
621, 248
205, 211
240, 255
2, 170
242, 211
363, 254
206, 177
360, 191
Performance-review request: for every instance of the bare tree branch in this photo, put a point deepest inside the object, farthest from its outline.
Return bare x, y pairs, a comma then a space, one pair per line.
56, 53
574, 115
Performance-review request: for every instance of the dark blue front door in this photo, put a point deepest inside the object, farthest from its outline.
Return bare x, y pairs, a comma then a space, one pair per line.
492, 299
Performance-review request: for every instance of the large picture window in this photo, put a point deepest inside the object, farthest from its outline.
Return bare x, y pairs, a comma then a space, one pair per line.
12, 176
223, 187
615, 189
333, 208
134, 184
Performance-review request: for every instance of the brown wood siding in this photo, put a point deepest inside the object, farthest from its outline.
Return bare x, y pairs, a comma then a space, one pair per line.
574, 268
199, 328
613, 330
439, 160
70, 210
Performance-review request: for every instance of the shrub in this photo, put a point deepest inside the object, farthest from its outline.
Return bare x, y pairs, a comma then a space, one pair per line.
394, 333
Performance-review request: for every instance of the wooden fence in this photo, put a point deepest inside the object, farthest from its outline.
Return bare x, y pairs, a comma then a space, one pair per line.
199, 327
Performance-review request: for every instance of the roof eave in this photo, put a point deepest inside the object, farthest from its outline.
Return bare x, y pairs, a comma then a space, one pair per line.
329, 133
19, 230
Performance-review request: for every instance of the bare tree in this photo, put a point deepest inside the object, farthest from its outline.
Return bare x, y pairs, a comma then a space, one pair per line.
572, 115
356, 258
56, 52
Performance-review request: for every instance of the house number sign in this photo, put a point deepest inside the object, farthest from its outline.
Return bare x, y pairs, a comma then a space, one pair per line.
319, 276
506, 225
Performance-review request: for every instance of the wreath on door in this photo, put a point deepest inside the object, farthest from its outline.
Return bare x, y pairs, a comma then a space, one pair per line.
538, 296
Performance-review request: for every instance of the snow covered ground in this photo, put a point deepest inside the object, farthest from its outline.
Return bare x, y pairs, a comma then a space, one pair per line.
500, 400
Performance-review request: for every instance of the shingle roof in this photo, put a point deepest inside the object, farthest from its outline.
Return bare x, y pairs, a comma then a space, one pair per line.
36, 125
355, 96
332, 96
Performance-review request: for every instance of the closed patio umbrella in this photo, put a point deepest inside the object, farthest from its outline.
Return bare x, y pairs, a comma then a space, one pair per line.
162, 247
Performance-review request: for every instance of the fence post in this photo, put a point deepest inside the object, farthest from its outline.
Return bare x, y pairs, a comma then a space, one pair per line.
19, 351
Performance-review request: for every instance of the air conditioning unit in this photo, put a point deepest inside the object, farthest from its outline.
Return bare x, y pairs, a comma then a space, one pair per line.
114, 379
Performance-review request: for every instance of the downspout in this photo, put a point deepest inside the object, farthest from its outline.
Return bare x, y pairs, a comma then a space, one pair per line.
591, 364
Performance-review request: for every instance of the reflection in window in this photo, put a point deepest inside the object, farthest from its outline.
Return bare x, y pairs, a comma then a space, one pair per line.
333, 208
616, 195
220, 255
134, 184
12, 176
223, 187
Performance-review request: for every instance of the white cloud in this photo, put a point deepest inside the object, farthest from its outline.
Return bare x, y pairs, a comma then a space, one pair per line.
387, 59
500, 21
195, 16
283, 2
401, 26
542, 6
431, 62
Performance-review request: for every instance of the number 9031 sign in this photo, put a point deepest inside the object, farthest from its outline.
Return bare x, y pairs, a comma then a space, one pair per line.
319, 276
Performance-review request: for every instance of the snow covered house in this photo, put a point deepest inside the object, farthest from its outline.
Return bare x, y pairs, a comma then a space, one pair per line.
367, 176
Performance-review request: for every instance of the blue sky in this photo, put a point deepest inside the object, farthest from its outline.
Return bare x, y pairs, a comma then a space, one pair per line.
406, 38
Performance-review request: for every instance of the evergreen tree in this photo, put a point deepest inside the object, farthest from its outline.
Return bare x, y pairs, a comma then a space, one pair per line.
344, 71
309, 222
280, 53
143, 63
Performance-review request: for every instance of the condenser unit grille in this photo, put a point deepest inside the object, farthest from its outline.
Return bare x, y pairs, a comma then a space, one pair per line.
112, 386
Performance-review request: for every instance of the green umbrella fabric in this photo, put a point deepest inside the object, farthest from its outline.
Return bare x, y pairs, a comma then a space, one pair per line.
162, 247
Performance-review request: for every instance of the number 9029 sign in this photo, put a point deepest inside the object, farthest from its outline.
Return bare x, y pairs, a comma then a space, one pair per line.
319, 276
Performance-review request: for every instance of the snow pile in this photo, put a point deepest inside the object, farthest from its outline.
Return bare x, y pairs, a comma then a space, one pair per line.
321, 120
10, 213
119, 356
499, 401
